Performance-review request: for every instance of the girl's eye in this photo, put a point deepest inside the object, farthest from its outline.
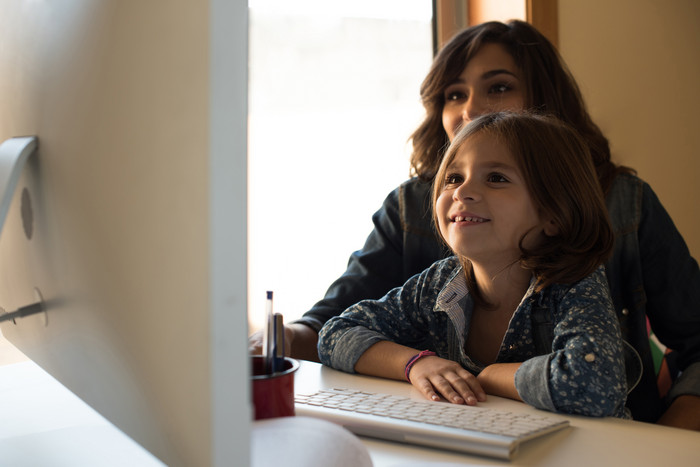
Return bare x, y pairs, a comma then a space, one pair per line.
453, 179
496, 178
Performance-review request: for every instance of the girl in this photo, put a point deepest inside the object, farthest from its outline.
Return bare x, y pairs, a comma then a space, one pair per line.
517, 201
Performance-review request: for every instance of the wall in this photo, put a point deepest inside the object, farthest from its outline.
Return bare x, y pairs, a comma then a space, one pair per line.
637, 64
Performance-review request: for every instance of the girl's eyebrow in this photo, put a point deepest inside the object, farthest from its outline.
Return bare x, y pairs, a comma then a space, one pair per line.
487, 165
497, 165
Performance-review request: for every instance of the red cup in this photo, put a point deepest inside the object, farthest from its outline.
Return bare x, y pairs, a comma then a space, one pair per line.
273, 395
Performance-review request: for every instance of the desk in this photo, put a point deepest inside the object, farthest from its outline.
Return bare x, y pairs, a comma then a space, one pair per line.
588, 442
44, 424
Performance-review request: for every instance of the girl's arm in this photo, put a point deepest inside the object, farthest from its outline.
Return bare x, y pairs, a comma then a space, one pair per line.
432, 376
403, 316
499, 379
585, 372
379, 337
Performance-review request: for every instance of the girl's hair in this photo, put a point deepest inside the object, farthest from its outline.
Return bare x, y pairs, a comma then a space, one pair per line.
549, 88
555, 163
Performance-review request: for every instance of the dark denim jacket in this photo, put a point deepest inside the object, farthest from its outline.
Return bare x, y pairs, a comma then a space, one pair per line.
651, 273
581, 372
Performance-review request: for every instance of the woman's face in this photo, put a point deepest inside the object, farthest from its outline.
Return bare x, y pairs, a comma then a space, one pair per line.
491, 82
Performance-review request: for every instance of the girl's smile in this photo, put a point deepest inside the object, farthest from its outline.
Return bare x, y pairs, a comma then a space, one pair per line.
468, 218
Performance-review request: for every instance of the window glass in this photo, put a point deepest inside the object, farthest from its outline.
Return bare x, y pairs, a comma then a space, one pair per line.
333, 98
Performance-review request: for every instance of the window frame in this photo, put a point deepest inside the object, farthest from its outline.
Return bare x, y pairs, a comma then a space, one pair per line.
451, 16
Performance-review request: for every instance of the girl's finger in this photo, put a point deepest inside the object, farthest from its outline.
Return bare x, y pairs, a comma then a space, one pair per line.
463, 388
426, 388
473, 383
444, 387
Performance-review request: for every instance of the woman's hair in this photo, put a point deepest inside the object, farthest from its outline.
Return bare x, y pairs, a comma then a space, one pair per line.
549, 88
555, 163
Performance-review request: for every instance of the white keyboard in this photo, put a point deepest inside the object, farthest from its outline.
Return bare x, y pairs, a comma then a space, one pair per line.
469, 429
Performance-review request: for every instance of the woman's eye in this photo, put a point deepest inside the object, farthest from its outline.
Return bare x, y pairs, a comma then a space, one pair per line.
499, 88
454, 95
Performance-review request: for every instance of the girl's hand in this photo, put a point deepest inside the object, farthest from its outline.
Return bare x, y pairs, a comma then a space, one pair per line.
434, 376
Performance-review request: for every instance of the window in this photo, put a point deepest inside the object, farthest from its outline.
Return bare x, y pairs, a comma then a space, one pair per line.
333, 98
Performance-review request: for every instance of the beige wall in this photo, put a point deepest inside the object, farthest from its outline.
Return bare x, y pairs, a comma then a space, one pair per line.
638, 64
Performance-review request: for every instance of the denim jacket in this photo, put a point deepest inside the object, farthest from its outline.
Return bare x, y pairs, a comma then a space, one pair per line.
651, 273
581, 374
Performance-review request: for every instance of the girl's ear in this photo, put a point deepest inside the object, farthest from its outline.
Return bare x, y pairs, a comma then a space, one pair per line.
550, 229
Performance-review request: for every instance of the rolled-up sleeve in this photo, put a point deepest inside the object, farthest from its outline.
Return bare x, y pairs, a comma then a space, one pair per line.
532, 382
401, 316
585, 372
340, 346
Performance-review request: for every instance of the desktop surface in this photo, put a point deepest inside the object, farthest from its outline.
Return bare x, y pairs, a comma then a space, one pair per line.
44, 424
588, 441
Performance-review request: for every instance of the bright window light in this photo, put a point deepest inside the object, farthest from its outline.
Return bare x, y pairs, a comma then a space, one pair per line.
334, 96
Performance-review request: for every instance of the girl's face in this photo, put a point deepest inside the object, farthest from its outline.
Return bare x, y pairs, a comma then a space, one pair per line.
491, 82
485, 207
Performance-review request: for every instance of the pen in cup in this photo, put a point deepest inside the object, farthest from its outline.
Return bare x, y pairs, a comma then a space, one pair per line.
278, 344
268, 335
273, 339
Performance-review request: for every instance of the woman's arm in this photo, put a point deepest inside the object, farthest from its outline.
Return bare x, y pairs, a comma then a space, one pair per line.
672, 291
371, 273
300, 342
684, 412
401, 244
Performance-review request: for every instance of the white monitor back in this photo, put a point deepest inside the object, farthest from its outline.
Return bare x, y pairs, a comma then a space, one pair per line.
138, 196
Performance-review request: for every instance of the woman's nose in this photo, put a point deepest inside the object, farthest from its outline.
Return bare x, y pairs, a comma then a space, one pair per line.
473, 108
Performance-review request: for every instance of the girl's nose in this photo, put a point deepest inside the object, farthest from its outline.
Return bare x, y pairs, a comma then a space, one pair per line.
466, 192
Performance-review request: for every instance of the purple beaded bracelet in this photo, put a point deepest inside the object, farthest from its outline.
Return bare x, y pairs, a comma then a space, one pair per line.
414, 359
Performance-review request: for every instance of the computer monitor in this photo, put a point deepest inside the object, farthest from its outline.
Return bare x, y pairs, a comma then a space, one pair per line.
136, 197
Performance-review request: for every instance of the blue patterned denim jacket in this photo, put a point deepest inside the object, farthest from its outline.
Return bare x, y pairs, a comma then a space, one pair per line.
651, 273
583, 374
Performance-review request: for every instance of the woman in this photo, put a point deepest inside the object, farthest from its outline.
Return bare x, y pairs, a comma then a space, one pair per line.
494, 67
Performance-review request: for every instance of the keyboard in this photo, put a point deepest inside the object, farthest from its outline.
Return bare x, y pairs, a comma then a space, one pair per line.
469, 429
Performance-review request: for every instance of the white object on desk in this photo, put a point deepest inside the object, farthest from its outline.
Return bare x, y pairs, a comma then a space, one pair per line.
472, 430
305, 442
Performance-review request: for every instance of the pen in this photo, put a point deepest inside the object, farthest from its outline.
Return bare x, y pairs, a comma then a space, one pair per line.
268, 335
278, 344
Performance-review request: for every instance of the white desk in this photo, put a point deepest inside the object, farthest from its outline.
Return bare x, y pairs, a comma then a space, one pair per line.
44, 424
588, 442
